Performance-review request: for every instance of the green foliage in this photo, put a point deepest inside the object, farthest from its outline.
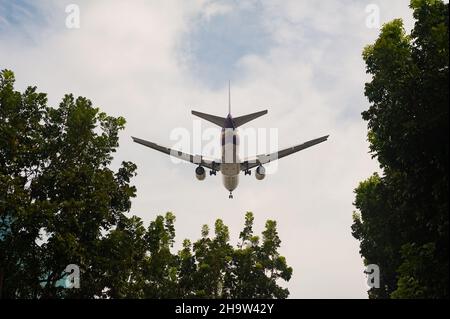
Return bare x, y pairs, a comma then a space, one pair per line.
57, 195
403, 219
249, 271
208, 268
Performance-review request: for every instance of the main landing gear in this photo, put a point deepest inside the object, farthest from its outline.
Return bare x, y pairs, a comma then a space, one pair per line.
231, 195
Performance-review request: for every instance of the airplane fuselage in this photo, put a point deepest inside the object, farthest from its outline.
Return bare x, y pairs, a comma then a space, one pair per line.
231, 166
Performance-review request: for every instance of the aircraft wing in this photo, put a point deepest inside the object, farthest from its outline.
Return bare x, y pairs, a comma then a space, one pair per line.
197, 159
267, 158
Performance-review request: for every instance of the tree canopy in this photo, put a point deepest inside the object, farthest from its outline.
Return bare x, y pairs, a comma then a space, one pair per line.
61, 204
402, 222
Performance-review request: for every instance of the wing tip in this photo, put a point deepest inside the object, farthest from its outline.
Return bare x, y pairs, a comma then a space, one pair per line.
136, 139
324, 138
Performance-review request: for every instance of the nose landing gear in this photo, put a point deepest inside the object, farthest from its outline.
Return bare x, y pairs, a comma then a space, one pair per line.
231, 195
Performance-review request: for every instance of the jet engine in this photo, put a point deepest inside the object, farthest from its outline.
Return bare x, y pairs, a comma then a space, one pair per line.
260, 173
200, 173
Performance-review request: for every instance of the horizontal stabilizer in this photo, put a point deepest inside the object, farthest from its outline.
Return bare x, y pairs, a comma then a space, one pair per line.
211, 118
241, 120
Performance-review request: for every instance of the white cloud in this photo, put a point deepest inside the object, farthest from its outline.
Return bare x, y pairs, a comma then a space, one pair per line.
126, 57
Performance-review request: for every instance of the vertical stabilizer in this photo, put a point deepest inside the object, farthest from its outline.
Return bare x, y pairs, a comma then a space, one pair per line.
229, 97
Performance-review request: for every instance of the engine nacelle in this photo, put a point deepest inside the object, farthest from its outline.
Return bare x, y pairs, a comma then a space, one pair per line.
260, 173
200, 173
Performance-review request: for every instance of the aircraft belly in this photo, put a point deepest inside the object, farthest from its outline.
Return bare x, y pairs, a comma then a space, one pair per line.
230, 169
230, 182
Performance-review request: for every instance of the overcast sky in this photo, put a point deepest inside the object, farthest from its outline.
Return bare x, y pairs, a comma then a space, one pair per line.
154, 61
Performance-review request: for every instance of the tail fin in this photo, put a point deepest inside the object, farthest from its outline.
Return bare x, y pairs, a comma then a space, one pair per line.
221, 121
241, 120
229, 97
211, 118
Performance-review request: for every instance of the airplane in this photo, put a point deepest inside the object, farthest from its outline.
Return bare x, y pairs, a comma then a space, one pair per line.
230, 165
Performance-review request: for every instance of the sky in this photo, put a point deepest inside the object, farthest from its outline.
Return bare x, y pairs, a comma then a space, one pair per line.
155, 61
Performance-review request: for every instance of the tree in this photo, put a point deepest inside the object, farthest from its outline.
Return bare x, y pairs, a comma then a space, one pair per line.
403, 215
257, 268
57, 194
161, 267
252, 270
